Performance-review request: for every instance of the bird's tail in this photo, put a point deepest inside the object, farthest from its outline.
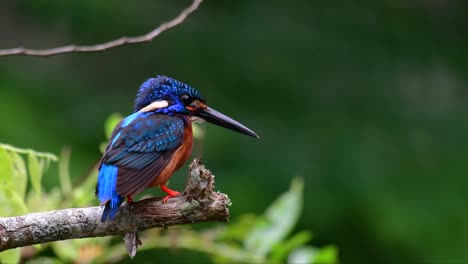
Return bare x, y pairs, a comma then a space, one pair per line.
106, 191
110, 211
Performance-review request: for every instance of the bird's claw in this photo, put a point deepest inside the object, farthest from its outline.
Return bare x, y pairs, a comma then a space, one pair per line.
170, 195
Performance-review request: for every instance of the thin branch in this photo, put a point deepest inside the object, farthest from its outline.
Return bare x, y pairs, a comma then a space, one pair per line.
107, 45
198, 203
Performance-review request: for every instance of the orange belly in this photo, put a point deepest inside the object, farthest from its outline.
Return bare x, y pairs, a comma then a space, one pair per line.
179, 157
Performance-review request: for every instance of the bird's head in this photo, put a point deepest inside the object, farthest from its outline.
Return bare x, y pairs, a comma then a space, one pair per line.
166, 95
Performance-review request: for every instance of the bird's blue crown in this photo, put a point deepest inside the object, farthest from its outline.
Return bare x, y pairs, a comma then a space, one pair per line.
165, 88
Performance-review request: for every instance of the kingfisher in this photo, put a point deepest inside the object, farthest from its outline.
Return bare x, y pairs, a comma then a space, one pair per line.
148, 146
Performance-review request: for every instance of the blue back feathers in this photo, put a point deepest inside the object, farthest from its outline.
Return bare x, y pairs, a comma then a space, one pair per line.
147, 133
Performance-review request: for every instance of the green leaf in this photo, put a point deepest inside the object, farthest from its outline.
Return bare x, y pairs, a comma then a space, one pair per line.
44, 260
303, 255
51, 201
16, 203
10, 256
6, 208
65, 250
325, 255
35, 173
328, 254
6, 168
20, 175
37, 246
281, 250
278, 221
12, 202
81, 193
64, 170
110, 124
13, 183
238, 229
43, 155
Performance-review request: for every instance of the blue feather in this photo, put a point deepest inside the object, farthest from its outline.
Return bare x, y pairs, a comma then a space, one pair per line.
106, 191
158, 88
115, 138
129, 119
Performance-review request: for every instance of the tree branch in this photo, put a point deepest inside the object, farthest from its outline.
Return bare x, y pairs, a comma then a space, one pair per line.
198, 203
107, 45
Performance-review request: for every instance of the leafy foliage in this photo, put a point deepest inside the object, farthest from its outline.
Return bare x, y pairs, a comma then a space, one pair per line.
243, 239
265, 238
13, 187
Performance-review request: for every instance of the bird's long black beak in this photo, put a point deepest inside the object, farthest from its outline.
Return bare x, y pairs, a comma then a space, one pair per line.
215, 117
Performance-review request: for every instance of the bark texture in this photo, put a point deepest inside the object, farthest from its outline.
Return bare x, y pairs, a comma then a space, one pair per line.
198, 203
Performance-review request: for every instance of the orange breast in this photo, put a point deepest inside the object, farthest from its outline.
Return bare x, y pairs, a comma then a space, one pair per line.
179, 157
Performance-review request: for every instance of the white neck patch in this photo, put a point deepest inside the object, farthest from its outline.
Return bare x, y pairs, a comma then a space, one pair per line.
196, 119
155, 105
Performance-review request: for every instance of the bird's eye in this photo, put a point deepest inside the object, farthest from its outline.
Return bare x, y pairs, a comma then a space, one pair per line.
186, 99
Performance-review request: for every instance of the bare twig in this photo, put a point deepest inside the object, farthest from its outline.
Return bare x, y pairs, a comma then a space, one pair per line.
107, 45
198, 203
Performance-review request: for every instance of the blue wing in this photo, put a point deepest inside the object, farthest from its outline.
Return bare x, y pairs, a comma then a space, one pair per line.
139, 149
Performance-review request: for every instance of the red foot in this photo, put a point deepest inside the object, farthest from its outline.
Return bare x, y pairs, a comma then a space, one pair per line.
170, 193
129, 199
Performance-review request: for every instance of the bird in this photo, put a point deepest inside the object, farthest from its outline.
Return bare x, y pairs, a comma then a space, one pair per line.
147, 147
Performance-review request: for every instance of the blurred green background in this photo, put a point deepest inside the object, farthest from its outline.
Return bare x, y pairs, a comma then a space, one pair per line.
366, 100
